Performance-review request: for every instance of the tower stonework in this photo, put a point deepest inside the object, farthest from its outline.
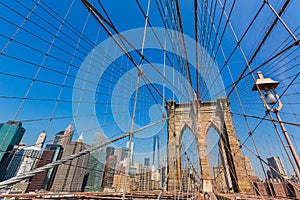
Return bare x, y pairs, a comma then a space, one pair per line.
199, 117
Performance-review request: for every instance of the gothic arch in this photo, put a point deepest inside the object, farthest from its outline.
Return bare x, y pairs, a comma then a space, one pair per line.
183, 130
208, 114
185, 127
213, 125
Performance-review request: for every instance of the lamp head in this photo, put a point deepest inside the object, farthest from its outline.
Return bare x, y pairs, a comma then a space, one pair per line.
265, 84
270, 99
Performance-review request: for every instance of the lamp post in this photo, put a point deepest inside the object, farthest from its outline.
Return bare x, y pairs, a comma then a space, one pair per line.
267, 90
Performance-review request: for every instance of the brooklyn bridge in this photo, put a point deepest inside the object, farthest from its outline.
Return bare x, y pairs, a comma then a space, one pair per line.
153, 99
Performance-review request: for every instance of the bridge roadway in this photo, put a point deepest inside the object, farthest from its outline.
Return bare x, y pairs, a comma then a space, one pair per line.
99, 195
135, 195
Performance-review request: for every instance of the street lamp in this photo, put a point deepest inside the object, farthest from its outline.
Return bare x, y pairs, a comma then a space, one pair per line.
269, 97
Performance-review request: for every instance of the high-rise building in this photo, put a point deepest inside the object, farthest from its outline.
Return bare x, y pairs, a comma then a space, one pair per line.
118, 153
109, 171
121, 166
24, 158
131, 151
72, 176
163, 175
248, 166
118, 183
133, 172
15, 161
269, 174
155, 178
57, 137
67, 136
41, 140
137, 166
147, 162
110, 151
11, 134
124, 153
24, 161
64, 137
44, 180
276, 163
99, 138
96, 164
144, 179
30, 155
95, 171
154, 173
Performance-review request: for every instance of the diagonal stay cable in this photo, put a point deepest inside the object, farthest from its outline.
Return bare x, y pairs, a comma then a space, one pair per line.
127, 168
264, 118
297, 43
260, 44
20, 27
183, 42
99, 18
272, 120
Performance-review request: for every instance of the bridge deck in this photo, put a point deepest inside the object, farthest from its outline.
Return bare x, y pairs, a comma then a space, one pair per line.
246, 197
137, 196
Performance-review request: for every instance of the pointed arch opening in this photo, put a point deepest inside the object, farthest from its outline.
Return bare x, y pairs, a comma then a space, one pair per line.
190, 163
215, 157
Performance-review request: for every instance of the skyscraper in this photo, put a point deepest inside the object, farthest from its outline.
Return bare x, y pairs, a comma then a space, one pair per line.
31, 154
24, 161
64, 137
44, 179
15, 161
57, 137
96, 165
131, 151
24, 158
95, 171
109, 171
110, 151
124, 153
11, 134
67, 137
276, 163
146, 162
144, 179
71, 176
41, 140
118, 153
248, 166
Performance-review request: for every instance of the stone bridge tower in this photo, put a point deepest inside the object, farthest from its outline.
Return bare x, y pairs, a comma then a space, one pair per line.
199, 117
